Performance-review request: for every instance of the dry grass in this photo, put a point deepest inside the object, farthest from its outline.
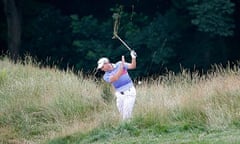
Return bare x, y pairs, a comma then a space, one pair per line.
35, 102
38, 104
215, 95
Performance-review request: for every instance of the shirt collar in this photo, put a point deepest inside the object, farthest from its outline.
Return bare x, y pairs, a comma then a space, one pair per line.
114, 66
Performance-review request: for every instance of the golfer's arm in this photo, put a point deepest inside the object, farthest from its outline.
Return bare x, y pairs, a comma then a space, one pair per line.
116, 76
133, 64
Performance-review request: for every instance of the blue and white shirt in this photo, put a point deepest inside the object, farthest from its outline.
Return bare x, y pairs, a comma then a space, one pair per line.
124, 82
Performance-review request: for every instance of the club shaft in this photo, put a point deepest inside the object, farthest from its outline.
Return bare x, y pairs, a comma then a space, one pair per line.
123, 42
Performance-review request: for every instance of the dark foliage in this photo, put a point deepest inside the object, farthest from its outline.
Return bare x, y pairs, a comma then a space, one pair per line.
165, 34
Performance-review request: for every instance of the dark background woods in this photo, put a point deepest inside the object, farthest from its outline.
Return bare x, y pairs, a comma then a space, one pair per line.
166, 34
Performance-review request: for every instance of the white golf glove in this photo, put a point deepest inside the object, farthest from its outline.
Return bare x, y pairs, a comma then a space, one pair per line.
133, 54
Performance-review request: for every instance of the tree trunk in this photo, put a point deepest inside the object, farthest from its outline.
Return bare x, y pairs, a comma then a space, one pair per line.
14, 27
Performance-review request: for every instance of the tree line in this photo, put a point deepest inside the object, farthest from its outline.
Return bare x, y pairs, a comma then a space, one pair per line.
167, 35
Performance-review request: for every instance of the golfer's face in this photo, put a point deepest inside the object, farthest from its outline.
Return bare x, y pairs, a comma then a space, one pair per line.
104, 67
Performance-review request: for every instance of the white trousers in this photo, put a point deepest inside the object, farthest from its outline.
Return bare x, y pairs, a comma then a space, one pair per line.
125, 102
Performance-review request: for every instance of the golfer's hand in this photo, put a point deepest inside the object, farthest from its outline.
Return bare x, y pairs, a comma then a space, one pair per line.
133, 54
123, 60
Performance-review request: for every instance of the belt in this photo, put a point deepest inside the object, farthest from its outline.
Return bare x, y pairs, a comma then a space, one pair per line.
123, 92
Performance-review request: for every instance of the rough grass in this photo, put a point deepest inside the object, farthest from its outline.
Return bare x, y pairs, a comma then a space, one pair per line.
46, 105
35, 102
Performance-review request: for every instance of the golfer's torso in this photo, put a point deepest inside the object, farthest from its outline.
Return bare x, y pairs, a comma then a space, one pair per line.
124, 82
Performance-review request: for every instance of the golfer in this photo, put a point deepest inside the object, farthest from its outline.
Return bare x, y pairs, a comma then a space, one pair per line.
117, 75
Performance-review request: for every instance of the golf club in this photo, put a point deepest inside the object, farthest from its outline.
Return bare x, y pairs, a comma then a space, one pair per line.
116, 17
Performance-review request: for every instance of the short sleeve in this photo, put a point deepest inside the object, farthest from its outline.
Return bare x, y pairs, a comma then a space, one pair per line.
106, 77
126, 65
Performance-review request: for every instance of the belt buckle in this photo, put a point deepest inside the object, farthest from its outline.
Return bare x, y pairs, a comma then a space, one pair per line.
122, 93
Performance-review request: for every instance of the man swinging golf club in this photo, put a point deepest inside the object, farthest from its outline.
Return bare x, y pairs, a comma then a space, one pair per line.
117, 75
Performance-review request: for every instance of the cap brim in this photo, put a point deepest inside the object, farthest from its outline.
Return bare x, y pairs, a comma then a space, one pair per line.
100, 66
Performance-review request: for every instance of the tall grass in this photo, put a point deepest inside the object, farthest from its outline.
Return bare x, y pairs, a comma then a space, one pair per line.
39, 104
35, 102
208, 101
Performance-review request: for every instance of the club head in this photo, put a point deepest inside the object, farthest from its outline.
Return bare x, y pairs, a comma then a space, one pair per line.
113, 37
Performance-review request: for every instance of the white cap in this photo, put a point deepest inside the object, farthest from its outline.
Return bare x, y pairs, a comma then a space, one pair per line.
102, 61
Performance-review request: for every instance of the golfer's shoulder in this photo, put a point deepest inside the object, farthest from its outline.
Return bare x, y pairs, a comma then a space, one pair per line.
118, 63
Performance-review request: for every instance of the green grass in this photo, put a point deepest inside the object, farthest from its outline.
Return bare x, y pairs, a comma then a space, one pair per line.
130, 134
50, 106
